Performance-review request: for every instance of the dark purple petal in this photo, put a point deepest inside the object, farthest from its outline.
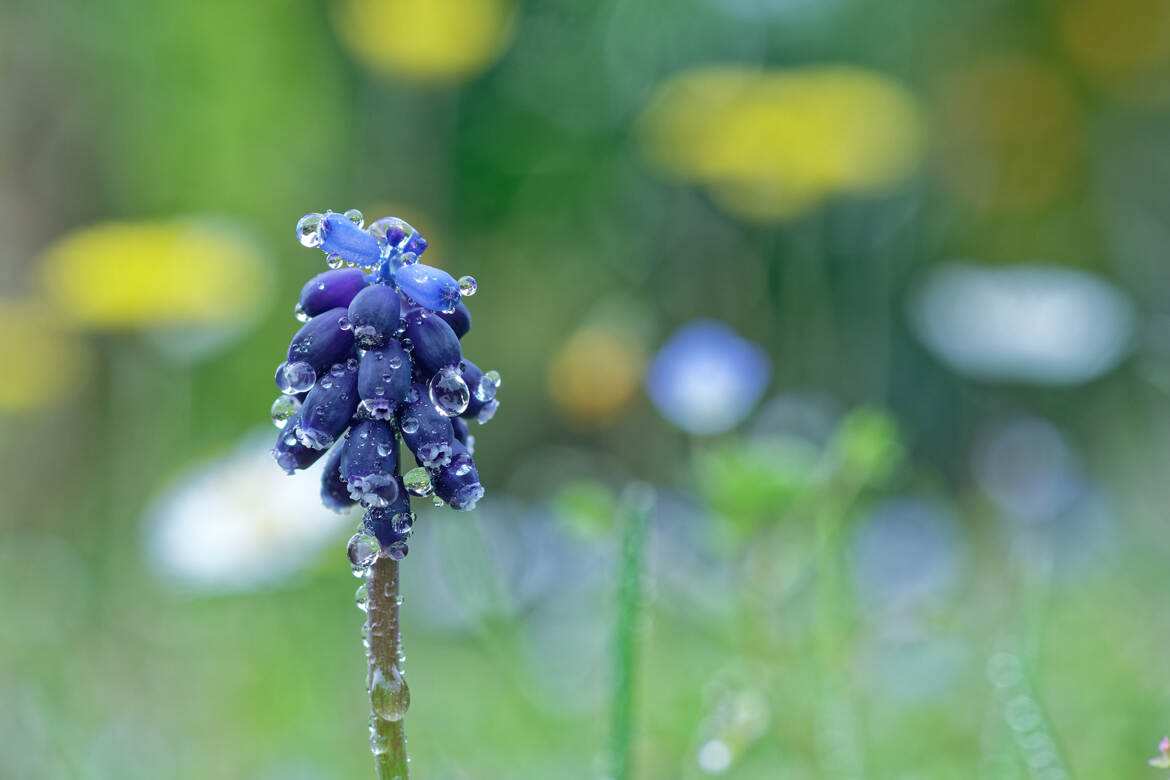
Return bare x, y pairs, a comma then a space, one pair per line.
321, 342
369, 462
334, 491
331, 289
289, 453
429, 287
457, 482
329, 406
373, 314
384, 373
435, 345
393, 522
459, 319
427, 433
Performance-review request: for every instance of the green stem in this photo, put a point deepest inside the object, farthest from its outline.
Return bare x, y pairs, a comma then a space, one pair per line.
389, 695
839, 733
636, 505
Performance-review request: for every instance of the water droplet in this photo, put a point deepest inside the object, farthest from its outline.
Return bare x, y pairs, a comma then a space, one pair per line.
436, 501
395, 362
367, 336
309, 231
487, 412
362, 597
300, 313
335, 261
408, 258
356, 217
384, 449
379, 743
401, 524
494, 376
297, 377
398, 550
463, 469
283, 408
343, 322
448, 392
389, 695
410, 425
417, 481
363, 550
485, 389
467, 286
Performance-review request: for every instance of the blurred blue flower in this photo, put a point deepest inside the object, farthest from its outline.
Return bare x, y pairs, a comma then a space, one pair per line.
706, 379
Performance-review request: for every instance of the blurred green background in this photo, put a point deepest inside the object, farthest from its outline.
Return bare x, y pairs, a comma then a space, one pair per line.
934, 548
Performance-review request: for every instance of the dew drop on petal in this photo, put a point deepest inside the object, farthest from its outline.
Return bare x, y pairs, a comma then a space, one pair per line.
295, 377
494, 376
463, 470
363, 549
334, 261
410, 425
300, 313
402, 523
309, 231
343, 323
417, 481
356, 217
449, 392
398, 550
485, 389
467, 286
283, 409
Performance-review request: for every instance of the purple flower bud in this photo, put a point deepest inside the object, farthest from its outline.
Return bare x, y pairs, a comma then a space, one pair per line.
426, 432
369, 460
393, 522
331, 289
429, 287
384, 374
416, 244
457, 482
460, 428
459, 319
340, 236
472, 376
289, 453
373, 314
334, 490
329, 406
321, 342
435, 344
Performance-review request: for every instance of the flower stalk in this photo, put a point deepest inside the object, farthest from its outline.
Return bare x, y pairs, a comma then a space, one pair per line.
389, 694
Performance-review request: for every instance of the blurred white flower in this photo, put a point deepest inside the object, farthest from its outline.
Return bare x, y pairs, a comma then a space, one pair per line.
1037, 324
239, 523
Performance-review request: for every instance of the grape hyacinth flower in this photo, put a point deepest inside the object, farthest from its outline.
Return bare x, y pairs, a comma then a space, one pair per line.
377, 360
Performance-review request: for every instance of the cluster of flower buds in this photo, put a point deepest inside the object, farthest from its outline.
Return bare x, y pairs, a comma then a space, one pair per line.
379, 358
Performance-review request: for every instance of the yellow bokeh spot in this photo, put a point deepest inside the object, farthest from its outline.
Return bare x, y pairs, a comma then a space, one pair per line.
43, 365
143, 274
774, 144
1116, 40
1010, 134
595, 374
429, 41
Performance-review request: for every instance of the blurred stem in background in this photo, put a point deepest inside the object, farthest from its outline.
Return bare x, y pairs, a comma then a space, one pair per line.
839, 738
634, 513
389, 695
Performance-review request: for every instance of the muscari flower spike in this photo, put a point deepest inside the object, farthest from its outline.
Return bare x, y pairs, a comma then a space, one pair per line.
379, 359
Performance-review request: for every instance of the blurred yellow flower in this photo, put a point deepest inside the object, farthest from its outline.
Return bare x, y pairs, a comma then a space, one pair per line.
1118, 42
43, 365
595, 373
142, 274
429, 41
774, 144
1009, 134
